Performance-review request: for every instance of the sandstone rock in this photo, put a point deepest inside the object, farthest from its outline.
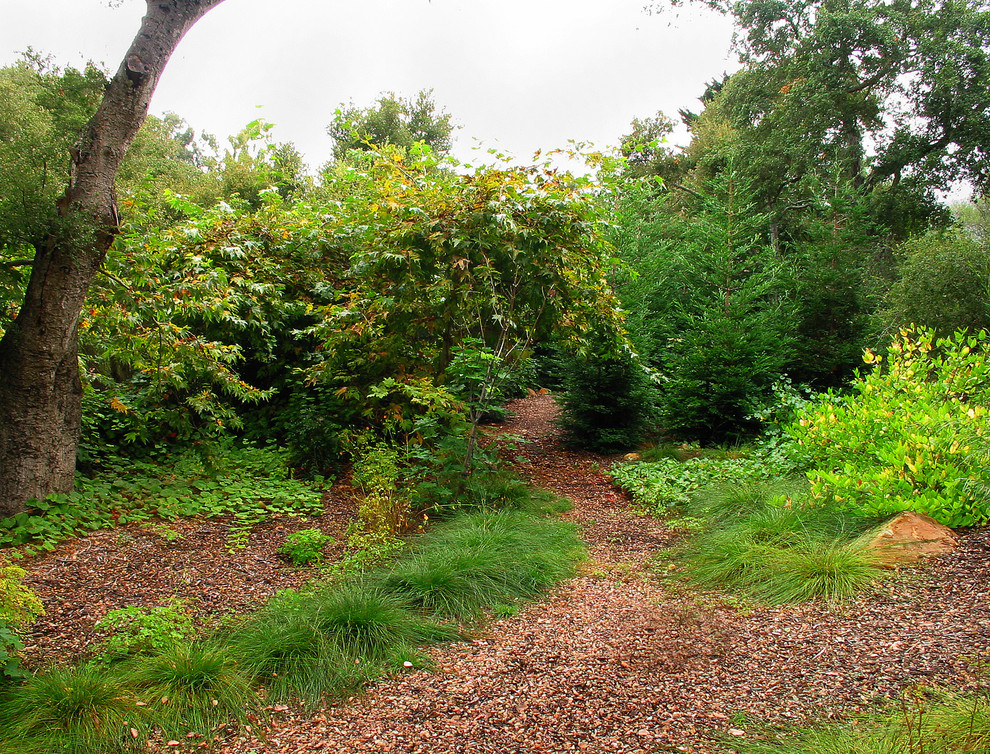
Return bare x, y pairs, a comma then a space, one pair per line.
910, 537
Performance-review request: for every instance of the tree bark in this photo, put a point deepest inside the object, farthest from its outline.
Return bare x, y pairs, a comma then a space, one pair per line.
40, 386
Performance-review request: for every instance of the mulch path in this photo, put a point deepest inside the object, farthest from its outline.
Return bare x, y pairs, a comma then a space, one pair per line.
613, 662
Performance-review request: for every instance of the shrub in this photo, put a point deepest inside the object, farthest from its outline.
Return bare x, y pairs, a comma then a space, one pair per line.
710, 306
145, 630
82, 710
384, 510
19, 606
911, 436
312, 423
944, 286
303, 548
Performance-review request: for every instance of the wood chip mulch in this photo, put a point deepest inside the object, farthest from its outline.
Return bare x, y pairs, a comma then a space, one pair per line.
613, 662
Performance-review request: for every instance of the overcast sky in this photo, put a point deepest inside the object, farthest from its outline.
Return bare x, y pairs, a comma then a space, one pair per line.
519, 75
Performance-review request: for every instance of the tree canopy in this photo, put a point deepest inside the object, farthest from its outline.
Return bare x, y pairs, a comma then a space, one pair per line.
399, 121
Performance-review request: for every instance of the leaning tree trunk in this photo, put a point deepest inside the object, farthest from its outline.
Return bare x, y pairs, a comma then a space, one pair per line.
40, 388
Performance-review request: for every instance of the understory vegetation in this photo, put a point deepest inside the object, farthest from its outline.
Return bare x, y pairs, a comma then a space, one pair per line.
781, 320
153, 676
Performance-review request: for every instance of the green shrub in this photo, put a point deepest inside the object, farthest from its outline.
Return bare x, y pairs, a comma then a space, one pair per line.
192, 688
944, 286
441, 486
303, 548
312, 423
366, 551
608, 402
83, 710
911, 436
145, 630
19, 606
710, 308
384, 510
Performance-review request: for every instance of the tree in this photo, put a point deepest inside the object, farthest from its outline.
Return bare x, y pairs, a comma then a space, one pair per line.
708, 298
40, 386
42, 110
974, 218
166, 156
944, 286
886, 103
392, 120
644, 152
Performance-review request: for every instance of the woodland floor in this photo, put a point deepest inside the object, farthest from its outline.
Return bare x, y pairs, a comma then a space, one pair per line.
615, 661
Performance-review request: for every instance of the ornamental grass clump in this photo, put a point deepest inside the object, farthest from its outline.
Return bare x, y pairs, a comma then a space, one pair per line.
193, 689
331, 638
922, 723
82, 710
484, 561
776, 548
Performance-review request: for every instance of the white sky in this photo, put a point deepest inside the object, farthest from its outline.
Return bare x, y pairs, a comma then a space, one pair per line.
519, 75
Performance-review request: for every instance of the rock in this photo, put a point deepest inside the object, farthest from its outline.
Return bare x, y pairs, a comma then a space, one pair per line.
910, 537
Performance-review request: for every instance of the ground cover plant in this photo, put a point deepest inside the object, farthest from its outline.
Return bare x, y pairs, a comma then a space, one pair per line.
136, 630
664, 478
250, 483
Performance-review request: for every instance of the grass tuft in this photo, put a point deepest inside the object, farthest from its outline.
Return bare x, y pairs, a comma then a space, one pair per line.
762, 540
193, 688
82, 710
951, 724
484, 561
330, 639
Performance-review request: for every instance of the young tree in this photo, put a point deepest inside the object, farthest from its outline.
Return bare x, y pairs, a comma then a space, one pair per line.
40, 387
708, 308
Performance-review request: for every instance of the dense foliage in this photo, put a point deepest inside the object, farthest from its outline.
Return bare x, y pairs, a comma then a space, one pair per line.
254, 326
910, 435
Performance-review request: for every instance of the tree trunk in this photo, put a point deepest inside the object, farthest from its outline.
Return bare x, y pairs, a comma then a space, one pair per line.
40, 387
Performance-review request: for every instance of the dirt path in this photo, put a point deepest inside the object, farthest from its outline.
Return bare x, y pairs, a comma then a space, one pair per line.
611, 663
614, 663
